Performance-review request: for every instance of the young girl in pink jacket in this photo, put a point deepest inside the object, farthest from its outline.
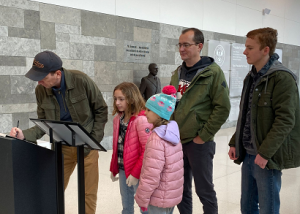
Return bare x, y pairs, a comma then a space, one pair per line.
161, 182
130, 134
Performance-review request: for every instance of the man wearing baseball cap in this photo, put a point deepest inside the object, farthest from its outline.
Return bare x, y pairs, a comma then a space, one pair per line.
68, 95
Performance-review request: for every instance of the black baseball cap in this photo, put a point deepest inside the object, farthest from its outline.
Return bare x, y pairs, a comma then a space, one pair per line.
43, 64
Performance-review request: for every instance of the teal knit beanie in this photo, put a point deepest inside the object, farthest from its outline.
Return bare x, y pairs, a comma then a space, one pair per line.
163, 104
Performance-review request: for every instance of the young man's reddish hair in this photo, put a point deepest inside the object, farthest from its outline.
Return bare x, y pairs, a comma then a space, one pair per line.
266, 37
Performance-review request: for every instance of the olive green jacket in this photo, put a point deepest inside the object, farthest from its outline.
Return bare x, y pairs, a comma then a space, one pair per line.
275, 119
84, 101
204, 106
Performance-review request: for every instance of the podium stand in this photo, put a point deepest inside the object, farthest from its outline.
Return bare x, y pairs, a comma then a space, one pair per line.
27, 178
71, 134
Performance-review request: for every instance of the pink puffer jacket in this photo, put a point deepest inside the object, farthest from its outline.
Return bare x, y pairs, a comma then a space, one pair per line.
161, 181
137, 134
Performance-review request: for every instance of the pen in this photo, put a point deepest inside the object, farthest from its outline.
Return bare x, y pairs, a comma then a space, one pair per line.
17, 127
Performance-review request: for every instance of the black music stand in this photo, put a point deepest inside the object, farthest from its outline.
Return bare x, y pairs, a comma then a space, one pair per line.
71, 134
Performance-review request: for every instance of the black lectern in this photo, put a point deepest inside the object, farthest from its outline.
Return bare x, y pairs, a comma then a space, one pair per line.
27, 178
71, 134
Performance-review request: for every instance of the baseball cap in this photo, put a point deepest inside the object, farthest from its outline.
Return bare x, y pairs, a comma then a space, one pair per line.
43, 64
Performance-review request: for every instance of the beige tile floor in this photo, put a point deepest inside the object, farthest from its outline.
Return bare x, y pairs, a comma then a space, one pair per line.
227, 180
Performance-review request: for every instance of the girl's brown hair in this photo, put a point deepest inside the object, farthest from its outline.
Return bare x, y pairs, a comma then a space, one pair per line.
160, 121
133, 97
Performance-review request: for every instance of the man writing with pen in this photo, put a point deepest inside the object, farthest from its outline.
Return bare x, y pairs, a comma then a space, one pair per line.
68, 95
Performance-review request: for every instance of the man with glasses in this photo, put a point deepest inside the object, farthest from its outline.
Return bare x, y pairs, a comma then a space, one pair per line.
202, 107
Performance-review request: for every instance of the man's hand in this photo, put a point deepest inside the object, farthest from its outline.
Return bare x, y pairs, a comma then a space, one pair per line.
198, 140
231, 153
260, 161
17, 133
131, 181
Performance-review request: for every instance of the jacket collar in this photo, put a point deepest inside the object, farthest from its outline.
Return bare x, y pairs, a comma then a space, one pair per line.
68, 80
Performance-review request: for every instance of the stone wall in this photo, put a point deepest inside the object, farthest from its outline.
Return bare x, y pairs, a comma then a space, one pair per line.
92, 42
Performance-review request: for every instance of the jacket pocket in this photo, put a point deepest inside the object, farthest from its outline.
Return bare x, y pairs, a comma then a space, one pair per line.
264, 107
80, 104
49, 110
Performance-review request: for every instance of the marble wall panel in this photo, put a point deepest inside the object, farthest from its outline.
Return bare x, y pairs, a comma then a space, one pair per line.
32, 20
119, 50
48, 37
22, 4
170, 31
155, 36
108, 98
3, 31
163, 47
72, 64
124, 66
13, 70
155, 58
17, 108
169, 58
166, 70
105, 72
63, 49
6, 123
142, 34
81, 51
29, 62
106, 88
97, 24
32, 115
64, 28
62, 37
12, 61
108, 130
146, 24
124, 36
22, 85
89, 68
140, 66
125, 24
11, 17
105, 53
92, 40
4, 88
59, 14
7, 98
178, 60
23, 119
23, 33
294, 64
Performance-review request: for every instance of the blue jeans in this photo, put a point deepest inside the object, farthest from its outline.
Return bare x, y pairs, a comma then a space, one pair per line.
159, 210
260, 188
127, 194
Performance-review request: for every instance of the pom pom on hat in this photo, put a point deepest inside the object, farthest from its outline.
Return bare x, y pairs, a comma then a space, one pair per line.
163, 104
169, 90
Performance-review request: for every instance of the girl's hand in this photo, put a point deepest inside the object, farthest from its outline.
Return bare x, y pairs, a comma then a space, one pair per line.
113, 178
131, 181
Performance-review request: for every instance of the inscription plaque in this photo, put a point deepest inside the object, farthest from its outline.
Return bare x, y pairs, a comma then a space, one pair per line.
138, 52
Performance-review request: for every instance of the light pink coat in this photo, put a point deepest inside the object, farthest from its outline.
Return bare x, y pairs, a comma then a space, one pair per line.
161, 181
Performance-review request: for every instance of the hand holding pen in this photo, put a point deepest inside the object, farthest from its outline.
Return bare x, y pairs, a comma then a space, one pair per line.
16, 132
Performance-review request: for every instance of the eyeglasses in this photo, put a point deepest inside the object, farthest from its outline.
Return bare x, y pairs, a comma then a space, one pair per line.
185, 45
